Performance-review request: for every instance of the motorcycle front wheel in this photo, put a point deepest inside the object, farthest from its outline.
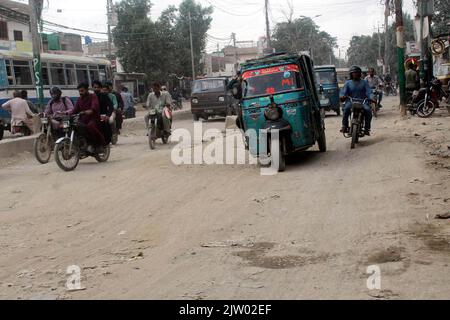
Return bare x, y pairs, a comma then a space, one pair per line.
65, 158
426, 109
42, 149
151, 140
355, 135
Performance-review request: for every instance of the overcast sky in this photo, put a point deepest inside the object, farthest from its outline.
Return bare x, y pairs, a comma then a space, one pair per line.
340, 18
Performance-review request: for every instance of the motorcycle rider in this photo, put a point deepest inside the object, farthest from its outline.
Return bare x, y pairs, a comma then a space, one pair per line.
89, 107
359, 89
375, 83
118, 115
20, 111
58, 106
157, 100
106, 110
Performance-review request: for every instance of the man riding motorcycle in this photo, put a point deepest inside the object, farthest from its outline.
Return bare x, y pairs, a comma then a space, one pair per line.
89, 108
158, 100
359, 89
57, 107
375, 83
20, 112
106, 110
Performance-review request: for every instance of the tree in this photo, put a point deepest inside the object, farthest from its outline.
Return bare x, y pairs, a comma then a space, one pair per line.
201, 23
304, 35
441, 17
160, 48
364, 50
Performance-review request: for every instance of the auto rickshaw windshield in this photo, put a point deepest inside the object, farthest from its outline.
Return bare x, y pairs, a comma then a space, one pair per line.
268, 81
326, 77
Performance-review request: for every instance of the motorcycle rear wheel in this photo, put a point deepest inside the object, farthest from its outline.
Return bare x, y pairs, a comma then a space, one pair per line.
42, 149
65, 161
104, 156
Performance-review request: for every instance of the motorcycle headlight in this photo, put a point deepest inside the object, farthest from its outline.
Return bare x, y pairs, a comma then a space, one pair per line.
44, 120
272, 113
66, 125
194, 101
153, 112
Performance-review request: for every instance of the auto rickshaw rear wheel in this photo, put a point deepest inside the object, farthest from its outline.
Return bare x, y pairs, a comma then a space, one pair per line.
322, 142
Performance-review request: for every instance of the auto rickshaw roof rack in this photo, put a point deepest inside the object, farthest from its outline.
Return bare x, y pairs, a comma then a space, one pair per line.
271, 59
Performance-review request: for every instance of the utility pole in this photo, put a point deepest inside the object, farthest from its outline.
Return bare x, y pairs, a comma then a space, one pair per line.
379, 44
269, 41
35, 17
192, 47
236, 57
387, 13
401, 54
109, 10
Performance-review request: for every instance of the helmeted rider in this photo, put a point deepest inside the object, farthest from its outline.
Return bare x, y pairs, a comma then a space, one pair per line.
356, 88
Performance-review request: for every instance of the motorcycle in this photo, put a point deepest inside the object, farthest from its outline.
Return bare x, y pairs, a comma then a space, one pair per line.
390, 89
177, 104
378, 96
357, 127
424, 102
22, 129
156, 127
73, 147
44, 144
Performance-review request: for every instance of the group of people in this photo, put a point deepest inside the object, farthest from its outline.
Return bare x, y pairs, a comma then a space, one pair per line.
102, 111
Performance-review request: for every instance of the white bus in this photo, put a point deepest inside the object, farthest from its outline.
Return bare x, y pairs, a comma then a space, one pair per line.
66, 72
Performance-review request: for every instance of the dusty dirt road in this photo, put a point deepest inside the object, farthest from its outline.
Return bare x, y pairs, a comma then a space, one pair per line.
141, 228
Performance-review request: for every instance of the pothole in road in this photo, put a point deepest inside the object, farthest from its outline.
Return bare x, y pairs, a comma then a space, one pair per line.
432, 236
392, 254
258, 256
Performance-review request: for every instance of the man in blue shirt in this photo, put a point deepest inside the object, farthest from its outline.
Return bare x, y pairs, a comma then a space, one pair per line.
358, 89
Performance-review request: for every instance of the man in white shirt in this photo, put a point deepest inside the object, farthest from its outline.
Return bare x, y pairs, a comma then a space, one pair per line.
20, 111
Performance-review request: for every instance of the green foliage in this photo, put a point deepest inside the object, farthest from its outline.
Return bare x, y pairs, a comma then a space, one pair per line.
304, 35
441, 17
162, 47
364, 50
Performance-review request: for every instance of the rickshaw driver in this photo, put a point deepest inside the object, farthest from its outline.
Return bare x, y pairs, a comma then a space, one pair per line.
358, 89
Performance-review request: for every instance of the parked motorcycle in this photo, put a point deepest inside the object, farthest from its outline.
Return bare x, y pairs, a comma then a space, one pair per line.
357, 121
73, 147
424, 102
156, 127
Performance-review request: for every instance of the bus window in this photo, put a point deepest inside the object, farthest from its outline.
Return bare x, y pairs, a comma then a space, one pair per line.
71, 74
102, 73
93, 73
82, 73
45, 75
22, 73
9, 73
57, 73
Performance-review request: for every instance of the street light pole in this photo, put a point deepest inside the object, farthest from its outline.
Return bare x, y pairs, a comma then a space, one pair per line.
192, 47
35, 17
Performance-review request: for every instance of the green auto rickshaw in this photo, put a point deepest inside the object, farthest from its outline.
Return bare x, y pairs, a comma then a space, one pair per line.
328, 86
279, 109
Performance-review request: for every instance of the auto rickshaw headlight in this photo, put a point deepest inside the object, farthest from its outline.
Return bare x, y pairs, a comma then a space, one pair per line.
194, 101
273, 113
221, 99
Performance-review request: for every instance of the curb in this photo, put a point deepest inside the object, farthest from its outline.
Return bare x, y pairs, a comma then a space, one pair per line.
12, 148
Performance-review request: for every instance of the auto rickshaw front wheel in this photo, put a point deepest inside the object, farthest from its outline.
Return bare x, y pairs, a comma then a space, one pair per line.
2, 131
322, 142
